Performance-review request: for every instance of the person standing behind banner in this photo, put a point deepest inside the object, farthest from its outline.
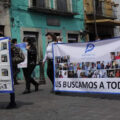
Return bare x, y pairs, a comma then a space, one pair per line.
17, 57
49, 56
59, 39
16, 70
32, 57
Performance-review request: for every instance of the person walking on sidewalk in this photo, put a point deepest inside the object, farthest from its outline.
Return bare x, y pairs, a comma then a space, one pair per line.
49, 56
32, 57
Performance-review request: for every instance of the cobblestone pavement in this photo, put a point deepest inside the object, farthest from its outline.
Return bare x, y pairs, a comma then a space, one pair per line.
43, 105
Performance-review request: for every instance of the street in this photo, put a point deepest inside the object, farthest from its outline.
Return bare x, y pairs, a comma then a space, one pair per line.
44, 105
74, 42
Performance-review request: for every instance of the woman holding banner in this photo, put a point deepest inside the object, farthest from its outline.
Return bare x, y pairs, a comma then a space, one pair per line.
49, 56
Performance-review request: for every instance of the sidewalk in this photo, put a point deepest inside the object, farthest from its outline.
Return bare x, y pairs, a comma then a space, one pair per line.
44, 105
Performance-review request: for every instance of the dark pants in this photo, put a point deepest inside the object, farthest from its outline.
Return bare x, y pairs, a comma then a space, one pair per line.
15, 72
12, 95
27, 74
50, 71
12, 98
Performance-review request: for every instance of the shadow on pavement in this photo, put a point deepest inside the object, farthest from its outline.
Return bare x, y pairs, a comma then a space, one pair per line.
99, 96
3, 105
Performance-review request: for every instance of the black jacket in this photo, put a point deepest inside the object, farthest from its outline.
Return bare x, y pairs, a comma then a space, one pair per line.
14, 52
32, 55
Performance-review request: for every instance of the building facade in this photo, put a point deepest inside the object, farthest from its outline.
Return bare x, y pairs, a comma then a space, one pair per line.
34, 18
100, 19
117, 29
5, 17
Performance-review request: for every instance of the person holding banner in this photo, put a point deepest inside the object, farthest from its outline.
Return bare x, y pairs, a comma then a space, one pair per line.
32, 57
49, 56
17, 57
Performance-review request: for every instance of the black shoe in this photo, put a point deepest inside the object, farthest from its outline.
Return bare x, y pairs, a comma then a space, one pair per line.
36, 87
11, 106
26, 92
16, 83
57, 93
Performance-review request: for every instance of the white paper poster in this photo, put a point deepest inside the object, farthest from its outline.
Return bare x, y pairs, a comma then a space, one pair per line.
6, 79
87, 67
22, 46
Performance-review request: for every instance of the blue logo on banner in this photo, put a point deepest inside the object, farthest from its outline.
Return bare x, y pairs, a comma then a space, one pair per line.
89, 47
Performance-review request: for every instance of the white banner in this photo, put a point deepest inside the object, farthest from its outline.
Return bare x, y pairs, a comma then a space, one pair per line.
87, 67
6, 79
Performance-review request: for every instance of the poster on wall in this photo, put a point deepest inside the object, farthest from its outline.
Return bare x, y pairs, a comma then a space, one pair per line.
87, 67
6, 77
22, 46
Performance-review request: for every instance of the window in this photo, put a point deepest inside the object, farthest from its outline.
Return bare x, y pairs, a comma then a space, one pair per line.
98, 5
70, 5
2, 29
41, 3
48, 3
63, 5
72, 38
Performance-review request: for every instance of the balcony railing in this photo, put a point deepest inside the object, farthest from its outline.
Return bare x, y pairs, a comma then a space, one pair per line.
102, 12
61, 7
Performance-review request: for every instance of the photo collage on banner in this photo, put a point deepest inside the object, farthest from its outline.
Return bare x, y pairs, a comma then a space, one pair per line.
5, 66
61, 65
100, 69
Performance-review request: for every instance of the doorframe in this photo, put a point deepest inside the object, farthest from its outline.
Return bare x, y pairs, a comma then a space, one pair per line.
73, 32
40, 47
53, 31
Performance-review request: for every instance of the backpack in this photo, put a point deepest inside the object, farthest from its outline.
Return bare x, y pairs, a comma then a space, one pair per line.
17, 55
